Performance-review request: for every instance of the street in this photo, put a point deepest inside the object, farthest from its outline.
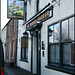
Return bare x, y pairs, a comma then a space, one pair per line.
14, 70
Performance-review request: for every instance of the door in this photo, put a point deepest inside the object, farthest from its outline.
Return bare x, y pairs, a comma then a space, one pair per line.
38, 39
36, 53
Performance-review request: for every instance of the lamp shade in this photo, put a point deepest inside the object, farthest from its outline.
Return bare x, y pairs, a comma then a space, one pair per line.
25, 34
50, 32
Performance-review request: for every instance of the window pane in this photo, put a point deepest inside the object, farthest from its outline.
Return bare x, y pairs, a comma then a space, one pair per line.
66, 53
25, 7
37, 5
65, 30
22, 53
26, 56
52, 53
25, 16
25, 11
56, 33
51, 37
57, 53
26, 42
22, 42
73, 53
71, 28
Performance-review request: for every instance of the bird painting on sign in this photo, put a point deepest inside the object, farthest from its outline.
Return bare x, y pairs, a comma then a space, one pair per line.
15, 9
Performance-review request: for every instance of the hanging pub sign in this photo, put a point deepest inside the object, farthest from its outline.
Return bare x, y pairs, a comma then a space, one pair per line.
48, 13
15, 9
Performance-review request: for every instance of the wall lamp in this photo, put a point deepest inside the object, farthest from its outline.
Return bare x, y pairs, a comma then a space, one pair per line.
25, 34
50, 32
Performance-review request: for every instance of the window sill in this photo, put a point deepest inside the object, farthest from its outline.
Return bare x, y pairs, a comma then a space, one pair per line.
24, 60
62, 69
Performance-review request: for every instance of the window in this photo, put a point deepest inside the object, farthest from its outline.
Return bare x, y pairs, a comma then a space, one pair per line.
54, 39
37, 5
55, 33
61, 45
24, 48
25, 4
54, 53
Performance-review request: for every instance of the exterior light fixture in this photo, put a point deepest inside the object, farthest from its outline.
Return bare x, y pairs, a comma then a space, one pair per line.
38, 22
25, 34
32, 33
50, 32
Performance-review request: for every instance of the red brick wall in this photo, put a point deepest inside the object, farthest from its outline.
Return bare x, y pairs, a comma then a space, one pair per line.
12, 37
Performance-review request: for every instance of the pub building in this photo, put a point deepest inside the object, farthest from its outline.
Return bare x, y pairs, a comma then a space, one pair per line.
46, 38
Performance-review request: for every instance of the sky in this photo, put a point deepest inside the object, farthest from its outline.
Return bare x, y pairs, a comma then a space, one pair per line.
4, 19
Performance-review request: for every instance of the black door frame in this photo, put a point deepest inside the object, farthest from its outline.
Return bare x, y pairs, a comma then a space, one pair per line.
39, 53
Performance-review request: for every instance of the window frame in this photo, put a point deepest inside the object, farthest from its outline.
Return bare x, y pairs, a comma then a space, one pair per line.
60, 67
25, 59
25, 10
37, 6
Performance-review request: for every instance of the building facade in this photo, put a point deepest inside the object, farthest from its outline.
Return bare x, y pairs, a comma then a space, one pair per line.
11, 41
3, 36
46, 37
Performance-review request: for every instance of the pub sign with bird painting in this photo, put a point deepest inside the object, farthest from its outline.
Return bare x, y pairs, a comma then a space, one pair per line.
15, 9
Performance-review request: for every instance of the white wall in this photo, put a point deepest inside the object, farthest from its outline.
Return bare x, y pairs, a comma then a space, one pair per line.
22, 64
65, 9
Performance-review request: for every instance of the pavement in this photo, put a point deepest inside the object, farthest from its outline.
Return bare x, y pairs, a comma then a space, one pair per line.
8, 70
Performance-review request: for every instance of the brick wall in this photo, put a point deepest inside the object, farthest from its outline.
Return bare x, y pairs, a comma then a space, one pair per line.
11, 36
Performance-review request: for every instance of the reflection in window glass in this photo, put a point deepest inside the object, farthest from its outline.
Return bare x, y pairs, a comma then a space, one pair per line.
71, 28
65, 30
26, 53
56, 33
25, 11
51, 37
24, 48
54, 52
22, 53
55, 36
57, 53
66, 53
61, 45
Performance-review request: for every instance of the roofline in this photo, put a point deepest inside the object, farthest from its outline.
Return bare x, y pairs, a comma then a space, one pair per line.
6, 24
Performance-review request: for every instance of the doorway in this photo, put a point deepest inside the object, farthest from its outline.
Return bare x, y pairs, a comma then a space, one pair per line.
36, 53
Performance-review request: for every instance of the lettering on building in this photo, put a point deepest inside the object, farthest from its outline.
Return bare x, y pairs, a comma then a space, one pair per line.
42, 17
